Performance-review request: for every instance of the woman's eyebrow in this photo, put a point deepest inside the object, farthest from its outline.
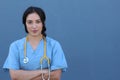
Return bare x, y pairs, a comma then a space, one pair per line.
38, 19
31, 19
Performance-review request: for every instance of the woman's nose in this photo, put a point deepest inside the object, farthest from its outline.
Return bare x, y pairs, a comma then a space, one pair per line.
34, 25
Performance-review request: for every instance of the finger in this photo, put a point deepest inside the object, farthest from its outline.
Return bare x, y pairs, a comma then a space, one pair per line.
46, 76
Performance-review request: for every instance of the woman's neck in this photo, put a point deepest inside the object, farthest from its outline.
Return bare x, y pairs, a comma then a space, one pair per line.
34, 38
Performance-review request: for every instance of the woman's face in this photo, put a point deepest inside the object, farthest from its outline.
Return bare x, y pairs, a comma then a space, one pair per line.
34, 24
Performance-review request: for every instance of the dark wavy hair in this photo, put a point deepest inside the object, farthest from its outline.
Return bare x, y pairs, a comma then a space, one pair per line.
41, 14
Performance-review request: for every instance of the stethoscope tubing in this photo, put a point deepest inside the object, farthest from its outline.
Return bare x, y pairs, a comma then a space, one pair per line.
44, 57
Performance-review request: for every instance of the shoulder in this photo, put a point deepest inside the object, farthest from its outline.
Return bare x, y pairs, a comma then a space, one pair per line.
18, 43
52, 41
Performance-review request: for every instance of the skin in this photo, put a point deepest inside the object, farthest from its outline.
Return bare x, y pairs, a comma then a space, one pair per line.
34, 27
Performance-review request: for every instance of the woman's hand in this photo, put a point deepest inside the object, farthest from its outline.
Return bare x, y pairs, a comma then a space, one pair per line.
54, 75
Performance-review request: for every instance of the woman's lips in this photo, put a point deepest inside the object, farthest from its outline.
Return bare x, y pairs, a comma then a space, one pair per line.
34, 31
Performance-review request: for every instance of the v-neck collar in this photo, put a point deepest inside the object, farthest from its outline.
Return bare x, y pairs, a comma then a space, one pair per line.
38, 46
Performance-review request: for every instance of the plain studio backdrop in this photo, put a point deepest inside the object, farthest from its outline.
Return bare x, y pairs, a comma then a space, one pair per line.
88, 30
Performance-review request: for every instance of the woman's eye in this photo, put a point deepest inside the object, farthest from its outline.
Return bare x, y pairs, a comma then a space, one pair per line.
38, 21
29, 22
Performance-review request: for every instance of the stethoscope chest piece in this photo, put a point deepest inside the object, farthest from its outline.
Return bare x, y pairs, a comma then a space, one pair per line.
25, 60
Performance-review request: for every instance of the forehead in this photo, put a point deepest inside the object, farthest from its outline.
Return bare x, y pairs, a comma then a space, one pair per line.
33, 16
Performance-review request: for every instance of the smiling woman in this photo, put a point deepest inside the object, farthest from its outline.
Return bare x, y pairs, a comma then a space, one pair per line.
34, 24
36, 56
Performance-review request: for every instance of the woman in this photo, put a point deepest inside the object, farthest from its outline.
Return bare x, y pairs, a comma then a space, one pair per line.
24, 59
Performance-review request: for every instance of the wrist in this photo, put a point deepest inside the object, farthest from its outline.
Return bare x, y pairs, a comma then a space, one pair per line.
44, 71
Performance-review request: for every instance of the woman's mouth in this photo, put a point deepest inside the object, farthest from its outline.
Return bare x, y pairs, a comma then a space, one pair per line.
34, 31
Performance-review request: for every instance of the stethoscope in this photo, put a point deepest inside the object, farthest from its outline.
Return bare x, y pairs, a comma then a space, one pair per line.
44, 57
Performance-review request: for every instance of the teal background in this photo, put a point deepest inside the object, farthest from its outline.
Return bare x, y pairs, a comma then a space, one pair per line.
88, 30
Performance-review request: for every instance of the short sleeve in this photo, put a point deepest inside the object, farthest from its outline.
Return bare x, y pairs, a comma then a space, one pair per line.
58, 58
12, 61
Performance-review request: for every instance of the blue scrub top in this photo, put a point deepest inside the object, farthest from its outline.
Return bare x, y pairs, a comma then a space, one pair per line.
54, 52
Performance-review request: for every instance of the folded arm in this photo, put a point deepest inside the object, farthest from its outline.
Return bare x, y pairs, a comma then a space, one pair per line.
34, 75
26, 75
